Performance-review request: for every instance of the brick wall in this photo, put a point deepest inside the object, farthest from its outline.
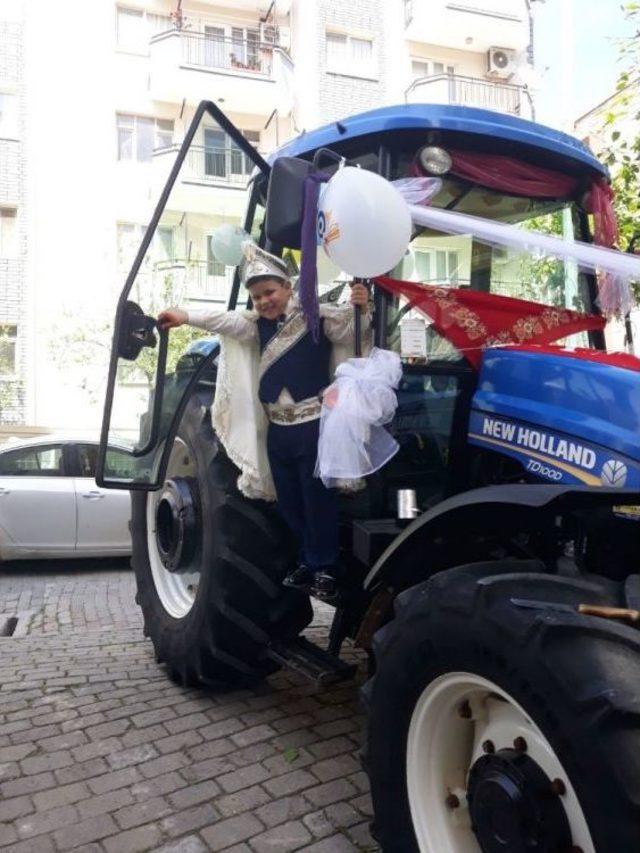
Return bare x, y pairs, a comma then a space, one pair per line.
13, 297
342, 95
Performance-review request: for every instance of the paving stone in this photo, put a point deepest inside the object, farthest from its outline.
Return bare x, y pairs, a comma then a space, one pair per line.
283, 838
289, 783
63, 795
189, 820
247, 776
134, 840
230, 831
190, 844
45, 822
143, 812
243, 800
194, 794
335, 844
331, 792
15, 807
104, 803
282, 810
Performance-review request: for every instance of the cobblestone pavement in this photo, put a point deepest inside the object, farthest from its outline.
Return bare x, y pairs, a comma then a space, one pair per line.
100, 752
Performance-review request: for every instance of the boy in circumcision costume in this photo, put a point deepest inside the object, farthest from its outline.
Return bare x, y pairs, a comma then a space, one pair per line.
266, 412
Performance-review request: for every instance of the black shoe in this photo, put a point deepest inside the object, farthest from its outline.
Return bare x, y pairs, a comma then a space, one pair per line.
325, 587
299, 578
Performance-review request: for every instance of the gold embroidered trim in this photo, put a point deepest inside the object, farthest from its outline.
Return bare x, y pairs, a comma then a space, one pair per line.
522, 330
298, 413
294, 328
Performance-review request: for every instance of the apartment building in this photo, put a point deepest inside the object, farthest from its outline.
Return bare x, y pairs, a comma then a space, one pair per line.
15, 310
112, 88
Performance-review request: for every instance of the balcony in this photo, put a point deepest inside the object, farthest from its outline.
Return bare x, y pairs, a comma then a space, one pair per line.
467, 25
211, 180
246, 75
196, 280
470, 92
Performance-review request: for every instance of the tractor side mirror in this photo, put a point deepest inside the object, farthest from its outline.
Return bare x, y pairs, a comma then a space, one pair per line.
285, 201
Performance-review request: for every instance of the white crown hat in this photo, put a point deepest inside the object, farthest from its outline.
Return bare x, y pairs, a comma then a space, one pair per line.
260, 263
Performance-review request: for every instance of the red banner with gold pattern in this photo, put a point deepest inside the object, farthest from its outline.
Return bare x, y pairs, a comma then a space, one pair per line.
473, 320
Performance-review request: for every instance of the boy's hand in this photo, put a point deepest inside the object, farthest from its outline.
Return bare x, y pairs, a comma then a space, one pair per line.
171, 318
359, 294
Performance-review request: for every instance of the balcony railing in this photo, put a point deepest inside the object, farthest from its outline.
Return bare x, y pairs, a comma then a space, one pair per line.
199, 280
209, 50
470, 92
208, 165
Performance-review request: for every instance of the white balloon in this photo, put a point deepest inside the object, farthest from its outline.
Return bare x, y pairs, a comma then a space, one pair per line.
364, 224
327, 270
226, 244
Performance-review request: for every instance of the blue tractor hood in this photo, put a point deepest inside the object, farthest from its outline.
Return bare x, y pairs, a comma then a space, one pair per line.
567, 416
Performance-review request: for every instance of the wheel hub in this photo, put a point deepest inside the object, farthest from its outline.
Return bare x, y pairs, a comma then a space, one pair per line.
514, 807
177, 518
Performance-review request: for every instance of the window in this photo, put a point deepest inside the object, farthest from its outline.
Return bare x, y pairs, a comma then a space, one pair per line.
214, 267
8, 232
33, 462
8, 341
135, 27
223, 158
349, 54
436, 267
138, 136
87, 456
428, 68
8, 115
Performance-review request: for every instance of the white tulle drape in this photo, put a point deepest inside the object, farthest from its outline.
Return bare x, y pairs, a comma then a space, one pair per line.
353, 441
620, 267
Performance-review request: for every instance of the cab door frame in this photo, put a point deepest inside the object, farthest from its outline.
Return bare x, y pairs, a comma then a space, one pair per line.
160, 467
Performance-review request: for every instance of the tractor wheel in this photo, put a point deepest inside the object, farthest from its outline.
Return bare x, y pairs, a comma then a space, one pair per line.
209, 565
496, 728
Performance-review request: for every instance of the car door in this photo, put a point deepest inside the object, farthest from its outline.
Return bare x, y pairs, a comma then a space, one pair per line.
37, 502
103, 514
146, 386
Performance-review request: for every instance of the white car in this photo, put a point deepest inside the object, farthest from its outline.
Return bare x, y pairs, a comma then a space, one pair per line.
51, 506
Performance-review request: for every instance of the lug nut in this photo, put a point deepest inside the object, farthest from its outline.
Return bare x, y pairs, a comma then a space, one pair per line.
558, 788
520, 744
489, 747
452, 802
464, 710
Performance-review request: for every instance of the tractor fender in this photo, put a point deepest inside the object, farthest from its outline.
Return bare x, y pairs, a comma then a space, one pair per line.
523, 507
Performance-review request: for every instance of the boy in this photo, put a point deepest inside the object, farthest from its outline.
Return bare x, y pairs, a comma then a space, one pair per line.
293, 373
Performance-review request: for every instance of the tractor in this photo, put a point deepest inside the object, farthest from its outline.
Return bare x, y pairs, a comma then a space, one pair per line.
499, 606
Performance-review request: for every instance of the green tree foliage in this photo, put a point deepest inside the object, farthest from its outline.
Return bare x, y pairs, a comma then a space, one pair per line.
621, 131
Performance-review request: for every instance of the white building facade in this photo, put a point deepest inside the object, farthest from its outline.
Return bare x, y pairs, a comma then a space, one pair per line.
104, 93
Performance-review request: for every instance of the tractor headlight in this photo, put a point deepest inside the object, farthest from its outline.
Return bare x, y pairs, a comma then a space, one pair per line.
434, 160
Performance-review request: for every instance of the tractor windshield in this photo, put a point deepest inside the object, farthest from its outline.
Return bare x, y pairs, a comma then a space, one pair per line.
464, 261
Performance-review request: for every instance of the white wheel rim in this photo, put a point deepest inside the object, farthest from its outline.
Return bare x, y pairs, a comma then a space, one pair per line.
177, 592
442, 746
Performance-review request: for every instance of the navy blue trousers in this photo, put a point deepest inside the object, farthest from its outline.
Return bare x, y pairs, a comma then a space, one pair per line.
307, 506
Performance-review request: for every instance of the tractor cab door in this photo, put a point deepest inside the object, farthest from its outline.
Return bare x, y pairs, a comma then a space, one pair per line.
149, 383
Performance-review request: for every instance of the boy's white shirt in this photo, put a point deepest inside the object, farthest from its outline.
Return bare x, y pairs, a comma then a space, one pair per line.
237, 414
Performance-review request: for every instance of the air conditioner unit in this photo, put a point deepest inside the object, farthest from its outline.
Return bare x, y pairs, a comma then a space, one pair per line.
501, 63
269, 34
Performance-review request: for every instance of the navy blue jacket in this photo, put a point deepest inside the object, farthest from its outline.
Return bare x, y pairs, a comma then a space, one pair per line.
303, 370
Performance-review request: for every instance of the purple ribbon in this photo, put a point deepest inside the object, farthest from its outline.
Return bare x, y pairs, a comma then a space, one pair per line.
308, 284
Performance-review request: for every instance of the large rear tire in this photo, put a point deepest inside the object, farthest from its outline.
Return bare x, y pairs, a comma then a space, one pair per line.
212, 620
495, 727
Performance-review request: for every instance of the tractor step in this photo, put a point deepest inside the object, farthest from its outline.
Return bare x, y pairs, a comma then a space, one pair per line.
303, 656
